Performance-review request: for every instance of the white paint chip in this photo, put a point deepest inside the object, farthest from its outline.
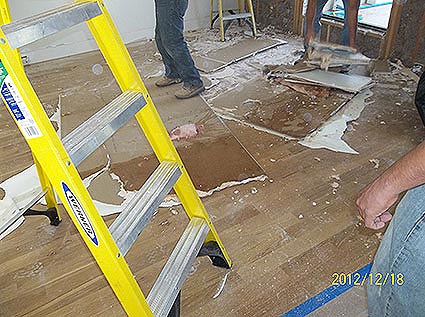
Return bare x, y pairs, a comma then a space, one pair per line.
375, 163
221, 287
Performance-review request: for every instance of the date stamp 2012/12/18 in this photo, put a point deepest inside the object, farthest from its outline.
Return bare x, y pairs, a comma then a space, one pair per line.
358, 279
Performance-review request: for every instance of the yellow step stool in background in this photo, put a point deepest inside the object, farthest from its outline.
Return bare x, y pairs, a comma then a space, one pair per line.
226, 20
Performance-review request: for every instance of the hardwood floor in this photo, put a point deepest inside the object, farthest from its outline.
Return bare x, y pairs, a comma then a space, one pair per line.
286, 235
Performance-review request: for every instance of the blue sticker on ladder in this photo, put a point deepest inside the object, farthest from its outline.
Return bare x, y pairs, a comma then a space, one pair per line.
80, 214
7, 95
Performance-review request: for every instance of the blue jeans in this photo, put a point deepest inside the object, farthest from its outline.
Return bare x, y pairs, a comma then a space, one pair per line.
317, 26
171, 44
402, 250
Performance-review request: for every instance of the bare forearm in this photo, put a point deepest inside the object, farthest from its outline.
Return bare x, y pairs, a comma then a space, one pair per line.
374, 201
405, 174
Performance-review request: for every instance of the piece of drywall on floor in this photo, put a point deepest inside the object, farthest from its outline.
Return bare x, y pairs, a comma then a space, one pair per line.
135, 20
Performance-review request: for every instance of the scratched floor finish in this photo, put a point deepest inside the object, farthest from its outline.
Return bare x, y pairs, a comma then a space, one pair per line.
286, 235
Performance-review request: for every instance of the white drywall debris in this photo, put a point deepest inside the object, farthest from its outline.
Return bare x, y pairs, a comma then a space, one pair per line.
19, 190
87, 181
329, 135
226, 72
57, 117
251, 102
335, 185
97, 69
15, 225
336, 176
171, 200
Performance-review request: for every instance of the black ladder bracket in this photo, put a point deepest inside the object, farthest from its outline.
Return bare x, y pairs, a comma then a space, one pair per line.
175, 309
213, 251
50, 213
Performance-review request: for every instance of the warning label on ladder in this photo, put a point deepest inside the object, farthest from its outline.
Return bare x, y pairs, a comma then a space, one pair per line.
17, 106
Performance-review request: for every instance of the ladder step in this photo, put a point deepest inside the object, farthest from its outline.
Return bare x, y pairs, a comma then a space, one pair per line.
85, 139
29, 30
170, 281
138, 212
237, 16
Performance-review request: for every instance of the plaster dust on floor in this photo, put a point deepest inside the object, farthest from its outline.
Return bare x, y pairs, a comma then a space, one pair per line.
262, 104
294, 229
91, 86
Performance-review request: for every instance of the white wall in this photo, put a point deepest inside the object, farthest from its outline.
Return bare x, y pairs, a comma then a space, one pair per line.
135, 20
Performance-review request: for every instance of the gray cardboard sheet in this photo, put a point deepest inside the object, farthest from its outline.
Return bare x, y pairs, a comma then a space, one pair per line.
223, 57
349, 83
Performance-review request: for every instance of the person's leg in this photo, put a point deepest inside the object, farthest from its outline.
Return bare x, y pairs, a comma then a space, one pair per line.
170, 21
317, 25
309, 19
312, 25
397, 285
349, 32
160, 28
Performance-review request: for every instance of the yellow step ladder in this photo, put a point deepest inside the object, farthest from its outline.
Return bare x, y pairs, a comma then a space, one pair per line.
57, 161
6, 17
226, 20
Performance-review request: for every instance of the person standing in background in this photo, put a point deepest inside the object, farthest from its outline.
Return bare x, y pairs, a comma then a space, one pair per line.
312, 26
178, 63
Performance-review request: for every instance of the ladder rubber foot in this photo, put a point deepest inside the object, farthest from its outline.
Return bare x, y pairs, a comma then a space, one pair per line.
213, 251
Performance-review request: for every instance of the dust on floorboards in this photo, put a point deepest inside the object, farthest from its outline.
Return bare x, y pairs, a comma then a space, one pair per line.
286, 235
279, 258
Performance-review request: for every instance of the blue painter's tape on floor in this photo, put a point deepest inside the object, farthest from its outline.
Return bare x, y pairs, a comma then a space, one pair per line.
324, 297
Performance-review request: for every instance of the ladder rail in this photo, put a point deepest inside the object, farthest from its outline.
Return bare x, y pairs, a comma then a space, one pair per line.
6, 17
127, 77
57, 165
47, 189
57, 170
